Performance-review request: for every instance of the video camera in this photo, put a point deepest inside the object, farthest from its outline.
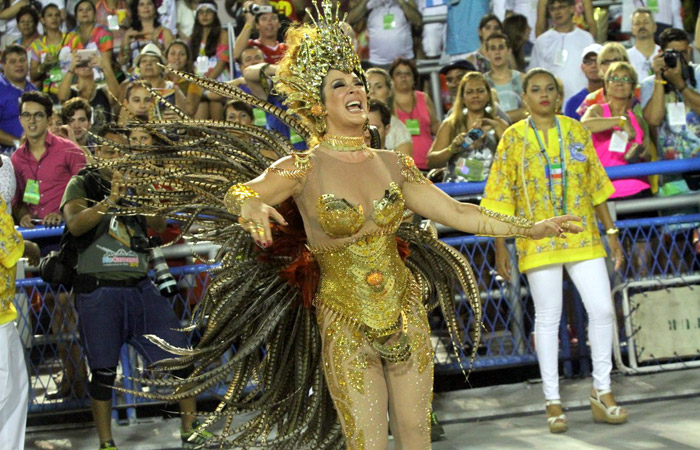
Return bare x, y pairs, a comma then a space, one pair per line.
256, 9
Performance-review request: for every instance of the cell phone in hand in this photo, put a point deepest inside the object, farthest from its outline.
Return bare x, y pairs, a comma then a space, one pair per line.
85, 55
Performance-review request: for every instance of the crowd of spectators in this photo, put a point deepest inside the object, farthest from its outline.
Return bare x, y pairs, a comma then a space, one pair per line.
78, 65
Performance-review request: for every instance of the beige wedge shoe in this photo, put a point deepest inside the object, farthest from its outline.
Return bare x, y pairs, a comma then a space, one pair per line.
557, 424
606, 414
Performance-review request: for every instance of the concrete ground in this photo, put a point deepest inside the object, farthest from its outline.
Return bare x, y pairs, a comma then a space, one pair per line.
664, 414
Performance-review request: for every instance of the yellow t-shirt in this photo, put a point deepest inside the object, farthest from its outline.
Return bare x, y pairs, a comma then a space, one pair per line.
11, 250
518, 184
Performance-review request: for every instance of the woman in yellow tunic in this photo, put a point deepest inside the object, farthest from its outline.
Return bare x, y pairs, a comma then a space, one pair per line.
547, 165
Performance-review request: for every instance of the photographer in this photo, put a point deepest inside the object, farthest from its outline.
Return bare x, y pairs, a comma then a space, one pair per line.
115, 299
671, 102
265, 19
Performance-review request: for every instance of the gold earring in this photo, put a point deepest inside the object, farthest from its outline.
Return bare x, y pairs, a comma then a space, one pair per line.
320, 125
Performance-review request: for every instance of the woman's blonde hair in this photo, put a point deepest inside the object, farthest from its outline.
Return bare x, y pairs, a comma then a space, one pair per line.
458, 119
612, 47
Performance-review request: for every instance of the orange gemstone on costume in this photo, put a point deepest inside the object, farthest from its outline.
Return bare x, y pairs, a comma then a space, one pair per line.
317, 110
375, 278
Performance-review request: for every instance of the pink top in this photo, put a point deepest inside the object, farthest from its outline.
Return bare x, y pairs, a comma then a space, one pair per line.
601, 142
422, 141
61, 160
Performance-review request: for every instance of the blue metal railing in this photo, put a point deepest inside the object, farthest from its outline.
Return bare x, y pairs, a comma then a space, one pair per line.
508, 313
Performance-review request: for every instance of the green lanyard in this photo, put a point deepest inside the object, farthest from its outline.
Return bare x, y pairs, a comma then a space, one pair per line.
553, 171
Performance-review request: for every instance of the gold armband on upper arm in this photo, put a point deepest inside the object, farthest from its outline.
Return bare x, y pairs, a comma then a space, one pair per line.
410, 172
236, 195
302, 164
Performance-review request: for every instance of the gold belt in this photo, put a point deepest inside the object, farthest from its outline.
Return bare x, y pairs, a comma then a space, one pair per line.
364, 281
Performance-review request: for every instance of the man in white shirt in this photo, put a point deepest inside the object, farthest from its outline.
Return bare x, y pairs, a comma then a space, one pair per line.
389, 24
644, 50
558, 49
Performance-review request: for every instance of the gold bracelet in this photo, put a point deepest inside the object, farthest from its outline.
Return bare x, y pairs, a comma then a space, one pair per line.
236, 195
660, 81
517, 225
611, 231
621, 123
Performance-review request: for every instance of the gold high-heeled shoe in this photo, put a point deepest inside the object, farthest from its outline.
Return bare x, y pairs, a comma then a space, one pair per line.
557, 424
606, 414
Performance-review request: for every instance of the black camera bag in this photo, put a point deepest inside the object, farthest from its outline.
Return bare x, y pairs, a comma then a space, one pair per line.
59, 267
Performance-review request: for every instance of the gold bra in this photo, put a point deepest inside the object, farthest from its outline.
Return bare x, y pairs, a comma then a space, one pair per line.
340, 219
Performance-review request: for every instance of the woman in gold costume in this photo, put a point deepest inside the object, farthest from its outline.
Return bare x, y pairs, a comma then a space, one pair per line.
335, 243
376, 354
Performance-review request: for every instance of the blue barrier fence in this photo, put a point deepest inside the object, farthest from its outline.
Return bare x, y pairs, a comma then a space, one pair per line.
654, 247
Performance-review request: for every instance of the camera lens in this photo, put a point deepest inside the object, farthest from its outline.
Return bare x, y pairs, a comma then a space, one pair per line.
167, 286
670, 58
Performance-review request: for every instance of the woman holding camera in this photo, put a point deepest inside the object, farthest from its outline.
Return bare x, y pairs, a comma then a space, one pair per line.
86, 87
145, 29
547, 164
466, 141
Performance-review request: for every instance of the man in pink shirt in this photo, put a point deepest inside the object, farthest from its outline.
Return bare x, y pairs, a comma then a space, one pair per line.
43, 164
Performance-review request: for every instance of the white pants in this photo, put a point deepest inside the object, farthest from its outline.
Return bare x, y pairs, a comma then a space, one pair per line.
592, 282
14, 389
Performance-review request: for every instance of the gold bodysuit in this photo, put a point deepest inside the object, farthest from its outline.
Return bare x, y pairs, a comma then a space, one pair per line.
376, 348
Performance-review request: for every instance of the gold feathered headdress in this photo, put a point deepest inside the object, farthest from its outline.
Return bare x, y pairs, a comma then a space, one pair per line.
312, 51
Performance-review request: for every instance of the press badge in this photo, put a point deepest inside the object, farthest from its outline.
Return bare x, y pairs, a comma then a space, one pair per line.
118, 231
676, 114
470, 169
618, 141
389, 22
560, 57
31, 193
202, 65
413, 126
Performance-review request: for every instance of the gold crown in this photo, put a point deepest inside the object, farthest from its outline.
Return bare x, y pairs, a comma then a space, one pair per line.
312, 51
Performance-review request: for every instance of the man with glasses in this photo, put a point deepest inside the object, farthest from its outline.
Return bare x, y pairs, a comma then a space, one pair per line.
43, 164
13, 83
557, 49
589, 67
644, 50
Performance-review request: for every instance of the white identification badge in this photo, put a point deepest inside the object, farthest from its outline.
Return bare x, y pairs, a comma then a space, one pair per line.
561, 57
676, 114
618, 141
112, 22
202, 65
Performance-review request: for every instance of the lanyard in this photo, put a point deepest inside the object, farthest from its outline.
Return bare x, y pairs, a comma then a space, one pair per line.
550, 168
